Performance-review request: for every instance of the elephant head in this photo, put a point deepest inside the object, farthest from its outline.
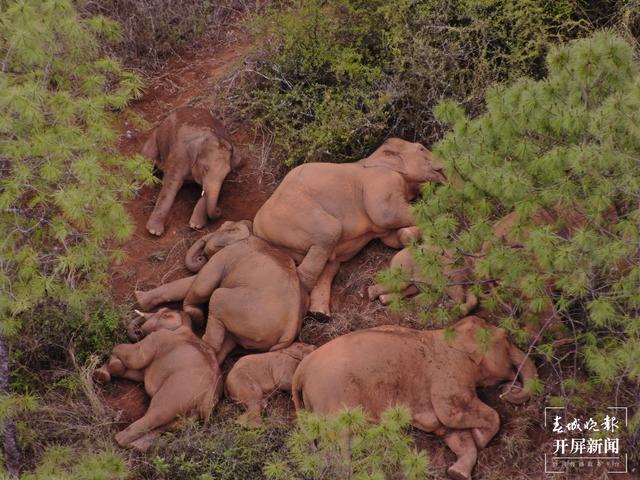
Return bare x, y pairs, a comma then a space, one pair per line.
212, 158
496, 358
228, 233
412, 160
165, 318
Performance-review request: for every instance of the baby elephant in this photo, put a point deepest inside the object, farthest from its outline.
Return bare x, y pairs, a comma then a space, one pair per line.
190, 145
457, 279
179, 371
255, 377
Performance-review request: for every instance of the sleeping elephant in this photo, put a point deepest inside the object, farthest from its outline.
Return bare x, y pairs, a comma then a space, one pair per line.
435, 378
179, 371
458, 277
190, 145
254, 294
322, 214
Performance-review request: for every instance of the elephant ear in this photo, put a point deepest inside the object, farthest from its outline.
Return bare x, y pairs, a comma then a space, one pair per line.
465, 339
236, 159
387, 159
193, 148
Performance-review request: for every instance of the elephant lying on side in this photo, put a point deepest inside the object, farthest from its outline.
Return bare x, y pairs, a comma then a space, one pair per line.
190, 145
179, 371
324, 213
458, 278
436, 379
254, 294
255, 377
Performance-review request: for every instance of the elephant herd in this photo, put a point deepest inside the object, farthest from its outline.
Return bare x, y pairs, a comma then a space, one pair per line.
254, 280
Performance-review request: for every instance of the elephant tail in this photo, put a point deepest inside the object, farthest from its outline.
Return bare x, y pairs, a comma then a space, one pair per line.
296, 388
210, 399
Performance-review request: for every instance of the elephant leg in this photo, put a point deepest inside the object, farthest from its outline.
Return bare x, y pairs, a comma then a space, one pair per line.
150, 148
199, 216
387, 298
461, 443
252, 416
164, 407
464, 410
113, 368
135, 375
374, 291
401, 237
328, 231
320, 298
174, 291
215, 333
170, 186
227, 347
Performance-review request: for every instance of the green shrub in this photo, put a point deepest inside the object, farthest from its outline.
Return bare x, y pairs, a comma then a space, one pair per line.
347, 445
568, 141
333, 78
62, 463
63, 183
222, 450
153, 30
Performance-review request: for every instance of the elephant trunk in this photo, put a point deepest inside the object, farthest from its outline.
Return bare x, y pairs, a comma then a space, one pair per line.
196, 257
134, 332
211, 192
528, 371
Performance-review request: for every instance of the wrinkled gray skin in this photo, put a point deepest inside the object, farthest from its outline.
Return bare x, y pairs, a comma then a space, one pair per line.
254, 294
190, 145
323, 214
436, 379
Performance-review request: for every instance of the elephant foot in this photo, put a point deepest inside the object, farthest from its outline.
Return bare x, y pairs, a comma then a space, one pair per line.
143, 299
456, 472
144, 442
101, 375
249, 420
155, 227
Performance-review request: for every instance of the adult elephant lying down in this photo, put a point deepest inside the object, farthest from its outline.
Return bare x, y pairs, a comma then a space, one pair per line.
434, 378
254, 294
324, 213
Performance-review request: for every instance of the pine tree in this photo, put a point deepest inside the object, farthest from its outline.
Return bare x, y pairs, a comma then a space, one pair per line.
62, 183
567, 143
349, 446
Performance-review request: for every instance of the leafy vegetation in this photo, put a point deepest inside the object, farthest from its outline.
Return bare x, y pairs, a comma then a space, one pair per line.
154, 29
62, 463
566, 145
348, 445
63, 182
337, 76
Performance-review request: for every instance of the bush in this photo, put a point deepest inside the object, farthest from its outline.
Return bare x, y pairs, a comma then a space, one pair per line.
62, 463
223, 450
63, 183
347, 445
570, 141
155, 29
336, 77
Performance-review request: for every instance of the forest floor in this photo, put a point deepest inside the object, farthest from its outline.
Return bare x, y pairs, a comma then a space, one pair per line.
189, 79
